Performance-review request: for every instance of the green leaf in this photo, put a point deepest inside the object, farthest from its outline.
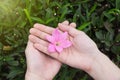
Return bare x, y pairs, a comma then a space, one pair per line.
109, 16
1, 46
50, 20
64, 11
92, 9
108, 26
84, 25
118, 4
117, 38
47, 1
28, 15
14, 73
116, 49
39, 20
118, 57
13, 63
22, 25
114, 11
99, 35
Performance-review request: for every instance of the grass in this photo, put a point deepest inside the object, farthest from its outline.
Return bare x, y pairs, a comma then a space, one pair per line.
100, 19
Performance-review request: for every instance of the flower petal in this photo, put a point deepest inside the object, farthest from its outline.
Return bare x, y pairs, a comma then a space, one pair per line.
65, 44
51, 48
56, 34
59, 49
64, 36
50, 39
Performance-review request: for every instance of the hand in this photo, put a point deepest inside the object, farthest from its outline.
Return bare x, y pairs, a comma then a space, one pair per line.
39, 65
83, 54
79, 55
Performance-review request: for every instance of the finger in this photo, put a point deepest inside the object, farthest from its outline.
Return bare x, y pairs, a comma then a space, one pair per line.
38, 33
65, 22
35, 39
73, 25
72, 31
44, 49
58, 56
29, 43
44, 28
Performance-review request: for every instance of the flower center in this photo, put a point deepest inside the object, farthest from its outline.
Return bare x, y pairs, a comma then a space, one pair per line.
57, 43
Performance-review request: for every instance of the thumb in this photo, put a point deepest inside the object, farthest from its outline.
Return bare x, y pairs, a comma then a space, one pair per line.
73, 25
72, 31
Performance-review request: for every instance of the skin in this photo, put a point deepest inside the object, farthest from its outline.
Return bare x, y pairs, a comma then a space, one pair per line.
39, 65
74, 53
83, 54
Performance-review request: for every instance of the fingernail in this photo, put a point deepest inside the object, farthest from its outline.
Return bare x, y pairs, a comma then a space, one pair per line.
35, 24
59, 23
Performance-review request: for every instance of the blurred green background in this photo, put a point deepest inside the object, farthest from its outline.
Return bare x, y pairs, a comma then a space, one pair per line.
100, 19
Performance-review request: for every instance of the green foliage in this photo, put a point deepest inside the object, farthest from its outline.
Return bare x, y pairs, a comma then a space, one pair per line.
100, 19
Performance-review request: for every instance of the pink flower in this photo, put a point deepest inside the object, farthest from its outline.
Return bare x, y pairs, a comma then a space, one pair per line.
58, 41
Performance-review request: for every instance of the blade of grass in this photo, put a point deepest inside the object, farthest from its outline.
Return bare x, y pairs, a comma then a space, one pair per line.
84, 25
28, 16
39, 20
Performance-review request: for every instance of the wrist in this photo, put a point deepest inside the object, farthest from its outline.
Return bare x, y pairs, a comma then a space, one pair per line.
33, 76
30, 76
104, 69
